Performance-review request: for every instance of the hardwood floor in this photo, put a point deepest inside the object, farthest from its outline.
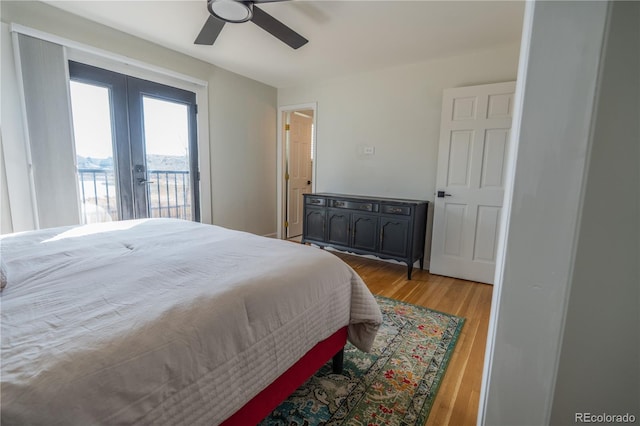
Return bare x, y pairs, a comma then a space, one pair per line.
457, 399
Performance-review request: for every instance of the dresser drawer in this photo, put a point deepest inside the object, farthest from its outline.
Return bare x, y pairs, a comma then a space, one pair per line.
353, 205
403, 210
315, 201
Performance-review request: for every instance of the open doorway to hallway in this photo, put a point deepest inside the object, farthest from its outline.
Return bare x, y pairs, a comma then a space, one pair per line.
297, 144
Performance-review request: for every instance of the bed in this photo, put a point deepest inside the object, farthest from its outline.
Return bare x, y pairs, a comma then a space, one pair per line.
164, 321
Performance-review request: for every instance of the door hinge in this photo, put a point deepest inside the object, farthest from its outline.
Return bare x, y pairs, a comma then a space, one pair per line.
287, 127
197, 176
195, 106
286, 176
286, 224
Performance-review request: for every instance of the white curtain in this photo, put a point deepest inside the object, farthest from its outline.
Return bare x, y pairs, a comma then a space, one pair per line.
44, 75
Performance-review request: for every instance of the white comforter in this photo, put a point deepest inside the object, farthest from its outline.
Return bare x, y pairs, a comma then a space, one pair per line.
162, 321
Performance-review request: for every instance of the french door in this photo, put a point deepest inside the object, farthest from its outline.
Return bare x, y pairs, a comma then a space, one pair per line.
136, 147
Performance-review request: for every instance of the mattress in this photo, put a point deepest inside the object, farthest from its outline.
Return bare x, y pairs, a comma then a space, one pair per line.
162, 321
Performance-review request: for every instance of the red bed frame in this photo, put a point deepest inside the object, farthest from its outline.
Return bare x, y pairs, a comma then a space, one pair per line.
270, 397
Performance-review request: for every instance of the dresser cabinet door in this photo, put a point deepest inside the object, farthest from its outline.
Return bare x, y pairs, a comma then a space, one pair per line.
394, 234
314, 223
338, 227
365, 231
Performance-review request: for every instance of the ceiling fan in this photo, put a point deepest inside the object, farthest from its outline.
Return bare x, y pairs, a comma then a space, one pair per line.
237, 11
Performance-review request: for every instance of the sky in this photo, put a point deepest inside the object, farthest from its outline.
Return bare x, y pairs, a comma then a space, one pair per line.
165, 123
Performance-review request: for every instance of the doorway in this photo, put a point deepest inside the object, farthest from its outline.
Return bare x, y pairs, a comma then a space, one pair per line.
136, 147
296, 166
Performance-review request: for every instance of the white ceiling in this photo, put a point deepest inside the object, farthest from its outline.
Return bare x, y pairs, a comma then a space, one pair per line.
344, 36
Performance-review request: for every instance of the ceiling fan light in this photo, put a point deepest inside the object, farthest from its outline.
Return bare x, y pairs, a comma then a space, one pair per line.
230, 10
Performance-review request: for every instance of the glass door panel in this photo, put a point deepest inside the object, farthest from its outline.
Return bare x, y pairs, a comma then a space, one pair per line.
92, 123
164, 150
166, 143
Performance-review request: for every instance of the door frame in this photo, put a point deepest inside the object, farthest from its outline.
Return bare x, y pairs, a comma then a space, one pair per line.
113, 62
533, 278
281, 184
126, 95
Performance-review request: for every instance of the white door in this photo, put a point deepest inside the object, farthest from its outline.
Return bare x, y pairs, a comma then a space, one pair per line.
298, 168
474, 138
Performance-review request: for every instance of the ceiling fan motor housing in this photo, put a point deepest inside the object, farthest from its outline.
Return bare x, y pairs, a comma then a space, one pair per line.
231, 10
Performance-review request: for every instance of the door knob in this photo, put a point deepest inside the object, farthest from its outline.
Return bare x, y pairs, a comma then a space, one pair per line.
308, 182
442, 194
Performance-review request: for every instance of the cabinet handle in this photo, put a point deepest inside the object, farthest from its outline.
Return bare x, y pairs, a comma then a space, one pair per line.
312, 201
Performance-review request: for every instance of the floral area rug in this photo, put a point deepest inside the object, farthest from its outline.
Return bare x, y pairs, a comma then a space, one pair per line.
395, 384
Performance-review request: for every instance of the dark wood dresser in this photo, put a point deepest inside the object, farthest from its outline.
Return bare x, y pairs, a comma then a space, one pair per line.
384, 227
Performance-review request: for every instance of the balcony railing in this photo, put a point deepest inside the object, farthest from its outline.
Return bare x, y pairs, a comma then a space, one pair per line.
168, 194
97, 195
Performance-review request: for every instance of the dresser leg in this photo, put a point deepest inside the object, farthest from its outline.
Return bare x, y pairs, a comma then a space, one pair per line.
409, 271
422, 262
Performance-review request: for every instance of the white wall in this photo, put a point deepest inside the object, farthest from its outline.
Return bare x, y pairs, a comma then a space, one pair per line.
228, 92
599, 369
397, 111
243, 153
570, 249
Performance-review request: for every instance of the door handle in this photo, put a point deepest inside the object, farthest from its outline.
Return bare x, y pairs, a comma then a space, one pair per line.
442, 194
142, 181
308, 182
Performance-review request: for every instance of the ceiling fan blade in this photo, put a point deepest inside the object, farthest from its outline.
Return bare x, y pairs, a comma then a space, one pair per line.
277, 28
210, 31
